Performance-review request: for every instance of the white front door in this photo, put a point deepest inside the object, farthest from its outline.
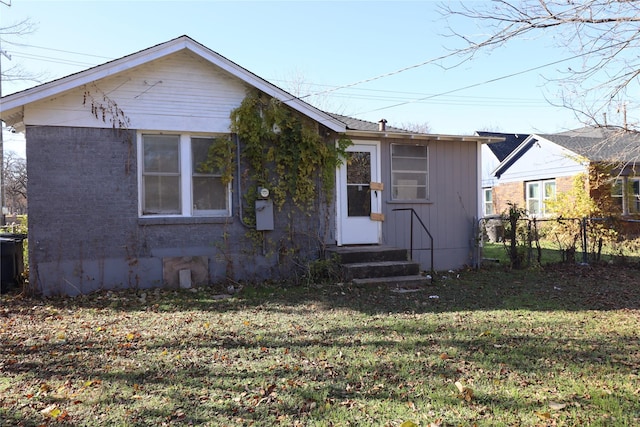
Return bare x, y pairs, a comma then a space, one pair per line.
356, 200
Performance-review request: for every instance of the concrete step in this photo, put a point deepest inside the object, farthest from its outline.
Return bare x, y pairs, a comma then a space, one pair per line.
365, 270
369, 253
396, 282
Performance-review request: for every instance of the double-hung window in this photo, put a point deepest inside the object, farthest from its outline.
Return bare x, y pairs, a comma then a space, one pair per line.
617, 195
635, 195
179, 178
625, 194
488, 201
409, 172
538, 194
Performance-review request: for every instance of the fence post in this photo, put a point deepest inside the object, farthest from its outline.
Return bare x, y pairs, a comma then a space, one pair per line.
585, 259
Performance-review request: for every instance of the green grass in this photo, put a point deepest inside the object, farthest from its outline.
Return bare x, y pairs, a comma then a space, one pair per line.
623, 252
553, 346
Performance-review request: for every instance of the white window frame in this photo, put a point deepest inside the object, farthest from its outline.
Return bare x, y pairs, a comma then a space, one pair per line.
186, 180
486, 203
634, 194
394, 184
617, 194
542, 197
626, 196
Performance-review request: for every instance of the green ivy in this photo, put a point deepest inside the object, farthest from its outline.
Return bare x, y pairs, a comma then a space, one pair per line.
220, 159
284, 150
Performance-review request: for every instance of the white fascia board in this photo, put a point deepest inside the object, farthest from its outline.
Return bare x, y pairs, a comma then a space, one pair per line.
514, 153
421, 136
98, 72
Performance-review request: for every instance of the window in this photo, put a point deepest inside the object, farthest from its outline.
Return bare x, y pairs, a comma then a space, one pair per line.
409, 172
625, 194
617, 195
635, 195
488, 201
538, 193
178, 177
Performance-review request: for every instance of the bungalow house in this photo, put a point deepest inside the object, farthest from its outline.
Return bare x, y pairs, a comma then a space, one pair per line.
144, 172
543, 165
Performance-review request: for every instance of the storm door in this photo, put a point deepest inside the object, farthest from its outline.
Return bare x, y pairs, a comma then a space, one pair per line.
357, 200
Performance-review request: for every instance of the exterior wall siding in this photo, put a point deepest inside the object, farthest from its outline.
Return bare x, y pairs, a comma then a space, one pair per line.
450, 212
85, 234
176, 93
544, 160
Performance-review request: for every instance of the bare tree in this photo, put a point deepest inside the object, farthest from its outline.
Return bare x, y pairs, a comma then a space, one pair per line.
15, 182
15, 72
8, 37
416, 127
603, 35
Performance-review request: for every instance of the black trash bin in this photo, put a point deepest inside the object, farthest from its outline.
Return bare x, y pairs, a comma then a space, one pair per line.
11, 260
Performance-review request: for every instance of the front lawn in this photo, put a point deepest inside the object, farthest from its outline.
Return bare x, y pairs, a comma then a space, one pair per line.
553, 346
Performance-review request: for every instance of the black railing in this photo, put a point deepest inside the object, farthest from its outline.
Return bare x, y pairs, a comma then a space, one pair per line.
424, 227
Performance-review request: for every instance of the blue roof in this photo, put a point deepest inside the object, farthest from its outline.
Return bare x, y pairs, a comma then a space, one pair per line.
502, 149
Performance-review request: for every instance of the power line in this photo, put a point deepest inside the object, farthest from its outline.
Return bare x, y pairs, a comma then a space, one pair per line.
55, 50
528, 70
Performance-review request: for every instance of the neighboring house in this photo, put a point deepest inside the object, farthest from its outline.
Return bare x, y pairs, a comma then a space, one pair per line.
492, 155
116, 199
544, 165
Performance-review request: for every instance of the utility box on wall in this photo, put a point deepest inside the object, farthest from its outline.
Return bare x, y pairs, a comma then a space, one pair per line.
264, 215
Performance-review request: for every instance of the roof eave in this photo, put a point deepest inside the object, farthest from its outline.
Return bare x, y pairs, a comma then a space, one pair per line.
420, 136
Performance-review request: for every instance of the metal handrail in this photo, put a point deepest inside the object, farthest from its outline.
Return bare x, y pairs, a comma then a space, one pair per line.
424, 227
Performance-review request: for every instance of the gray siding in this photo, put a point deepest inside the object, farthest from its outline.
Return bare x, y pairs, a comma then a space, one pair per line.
449, 214
85, 234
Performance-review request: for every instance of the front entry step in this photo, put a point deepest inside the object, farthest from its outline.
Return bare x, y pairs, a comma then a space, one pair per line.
378, 265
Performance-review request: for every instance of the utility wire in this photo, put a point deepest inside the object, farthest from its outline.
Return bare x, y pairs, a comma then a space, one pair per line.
528, 70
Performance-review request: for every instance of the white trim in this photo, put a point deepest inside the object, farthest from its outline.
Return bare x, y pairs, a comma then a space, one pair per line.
186, 180
376, 206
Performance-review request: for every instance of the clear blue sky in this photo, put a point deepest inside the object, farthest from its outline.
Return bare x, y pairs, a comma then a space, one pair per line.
315, 45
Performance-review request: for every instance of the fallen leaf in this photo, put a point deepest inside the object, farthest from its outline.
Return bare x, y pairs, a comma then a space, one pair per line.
544, 415
465, 392
408, 424
51, 411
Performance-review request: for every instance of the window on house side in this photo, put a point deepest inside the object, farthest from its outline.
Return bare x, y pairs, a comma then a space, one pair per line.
538, 193
178, 178
488, 201
625, 195
635, 195
617, 195
409, 172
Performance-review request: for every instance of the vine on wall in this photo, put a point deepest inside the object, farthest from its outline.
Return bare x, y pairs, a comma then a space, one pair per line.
277, 139
106, 109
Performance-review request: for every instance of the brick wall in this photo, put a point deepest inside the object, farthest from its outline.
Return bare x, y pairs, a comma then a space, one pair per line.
85, 234
512, 192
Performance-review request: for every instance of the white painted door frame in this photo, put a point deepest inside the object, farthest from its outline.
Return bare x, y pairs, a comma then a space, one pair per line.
357, 228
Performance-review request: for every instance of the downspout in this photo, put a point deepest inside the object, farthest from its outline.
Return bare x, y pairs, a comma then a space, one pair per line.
236, 140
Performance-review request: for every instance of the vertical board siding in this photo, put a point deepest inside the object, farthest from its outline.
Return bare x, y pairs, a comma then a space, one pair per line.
450, 211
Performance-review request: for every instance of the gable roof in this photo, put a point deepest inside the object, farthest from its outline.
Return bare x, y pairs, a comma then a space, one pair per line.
596, 144
502, 149
11, 105
600, 144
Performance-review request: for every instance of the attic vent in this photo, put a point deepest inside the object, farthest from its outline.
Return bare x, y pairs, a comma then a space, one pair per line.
382, 125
